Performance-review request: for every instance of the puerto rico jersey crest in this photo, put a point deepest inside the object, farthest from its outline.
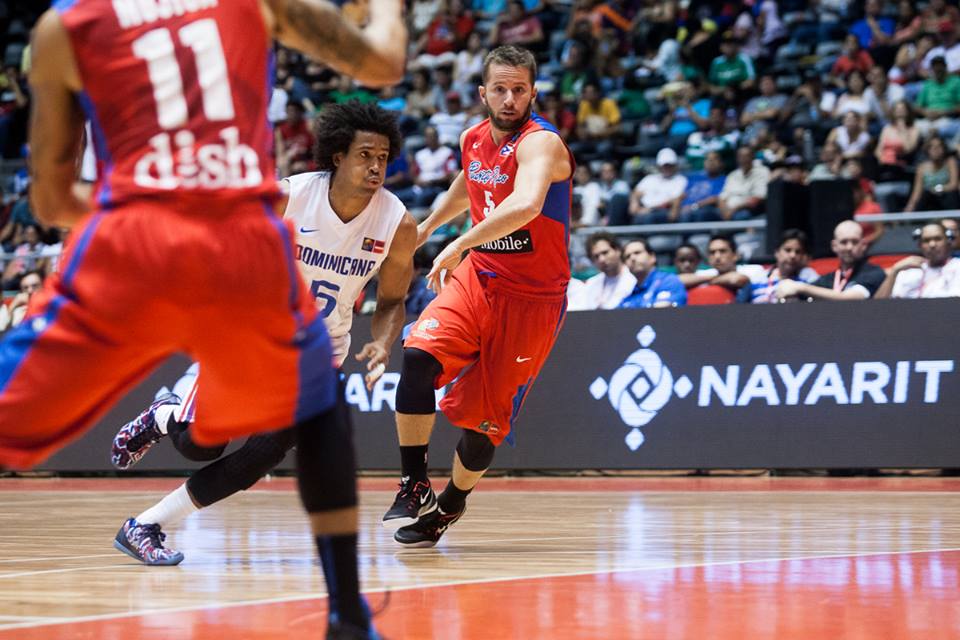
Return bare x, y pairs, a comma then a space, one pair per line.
337, 259
534, 257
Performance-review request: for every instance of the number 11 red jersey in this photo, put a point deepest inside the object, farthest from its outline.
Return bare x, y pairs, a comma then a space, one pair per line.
533, 258
176, 93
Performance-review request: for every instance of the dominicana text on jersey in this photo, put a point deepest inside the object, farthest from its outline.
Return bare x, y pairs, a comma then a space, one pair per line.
337, 259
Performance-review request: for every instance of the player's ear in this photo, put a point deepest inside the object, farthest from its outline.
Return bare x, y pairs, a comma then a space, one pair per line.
337, 159
483, 94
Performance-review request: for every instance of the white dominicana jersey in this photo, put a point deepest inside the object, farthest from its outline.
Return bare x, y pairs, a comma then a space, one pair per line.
337, 259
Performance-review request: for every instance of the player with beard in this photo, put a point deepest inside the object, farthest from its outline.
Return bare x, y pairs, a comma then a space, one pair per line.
499, 310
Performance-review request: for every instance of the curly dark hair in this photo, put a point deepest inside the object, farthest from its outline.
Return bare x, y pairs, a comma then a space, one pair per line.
337, 126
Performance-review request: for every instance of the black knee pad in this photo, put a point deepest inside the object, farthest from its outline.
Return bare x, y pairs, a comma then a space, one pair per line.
241, 469
415, 391
179, 433
475, 450
326, 469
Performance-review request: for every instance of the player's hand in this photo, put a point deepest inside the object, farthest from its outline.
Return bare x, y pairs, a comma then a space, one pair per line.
910, 262
443, 266
377, 356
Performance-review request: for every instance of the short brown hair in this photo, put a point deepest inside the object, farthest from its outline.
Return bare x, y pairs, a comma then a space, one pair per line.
511, 56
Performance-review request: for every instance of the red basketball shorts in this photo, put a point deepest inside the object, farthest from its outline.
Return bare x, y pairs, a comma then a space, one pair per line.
492, 342
143, 281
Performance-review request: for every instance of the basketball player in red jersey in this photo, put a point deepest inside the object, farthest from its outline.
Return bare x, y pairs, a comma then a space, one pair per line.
493, 324
183, 251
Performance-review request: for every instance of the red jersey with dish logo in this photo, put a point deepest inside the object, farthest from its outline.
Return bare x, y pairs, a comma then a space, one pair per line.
177, 94
535, 256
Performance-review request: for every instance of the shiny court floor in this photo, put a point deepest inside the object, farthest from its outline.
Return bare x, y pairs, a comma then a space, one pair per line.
578, 558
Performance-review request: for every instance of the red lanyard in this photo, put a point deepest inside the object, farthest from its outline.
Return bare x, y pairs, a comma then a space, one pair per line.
840, 279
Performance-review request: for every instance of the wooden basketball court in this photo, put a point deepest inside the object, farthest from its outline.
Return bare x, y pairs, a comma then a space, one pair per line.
566, 558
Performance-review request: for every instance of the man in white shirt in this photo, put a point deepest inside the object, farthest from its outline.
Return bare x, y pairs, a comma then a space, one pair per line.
654, 196
935, 274
435, 167
607, 289
745, 191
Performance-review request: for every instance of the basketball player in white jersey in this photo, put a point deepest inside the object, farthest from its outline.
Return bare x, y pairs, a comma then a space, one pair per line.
347, 228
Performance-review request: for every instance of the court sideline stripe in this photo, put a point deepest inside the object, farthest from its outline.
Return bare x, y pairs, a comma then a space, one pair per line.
281, 600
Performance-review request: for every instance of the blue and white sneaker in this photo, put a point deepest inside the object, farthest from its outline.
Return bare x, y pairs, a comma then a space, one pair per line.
137, 436
144, 542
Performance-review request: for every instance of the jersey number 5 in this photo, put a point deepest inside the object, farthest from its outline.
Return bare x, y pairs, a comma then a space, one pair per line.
156, 48
329, 296
490, 204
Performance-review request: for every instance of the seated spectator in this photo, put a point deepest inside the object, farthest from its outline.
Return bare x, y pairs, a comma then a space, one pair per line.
810, 105
398, 173
598, 121
607, 289
444, 36
939, 101
666, 63
686, 260
685, 114
723, 271
937, 16
762, 112
851, 136
854, 279
716, 136
450, 122
731, 68
294, 142
654, 197
654, 288
420, 104
831, 164
434, 169
28, 256
936, 182
864, 203
558, 115
744, 193
854, 98
702, 197
468, 67
348, 91
30, 285
898, 143
519, 28
873, 29
789, 169
907, 26
948, 48
612, 198
934, 274
882, 95
442, 86
586, 191
791, 258
576, 72
953, 229
853, 58
422, 12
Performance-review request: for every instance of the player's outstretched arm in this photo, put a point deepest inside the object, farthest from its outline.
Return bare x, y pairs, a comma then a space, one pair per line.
374, 56
56, 125
394, 282
452, 203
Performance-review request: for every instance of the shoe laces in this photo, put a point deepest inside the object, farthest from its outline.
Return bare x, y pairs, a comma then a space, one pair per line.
153, 533
138, 441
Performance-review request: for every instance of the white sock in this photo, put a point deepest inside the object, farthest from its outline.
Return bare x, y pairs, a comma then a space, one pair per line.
162, 416
172, 509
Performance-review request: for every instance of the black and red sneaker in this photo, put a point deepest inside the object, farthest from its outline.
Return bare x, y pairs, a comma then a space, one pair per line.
414, 500
426, 531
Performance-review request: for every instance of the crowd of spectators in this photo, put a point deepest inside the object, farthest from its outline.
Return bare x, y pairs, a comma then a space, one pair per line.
676, 112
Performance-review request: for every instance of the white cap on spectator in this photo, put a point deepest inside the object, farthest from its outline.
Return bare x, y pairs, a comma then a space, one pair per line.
666, 156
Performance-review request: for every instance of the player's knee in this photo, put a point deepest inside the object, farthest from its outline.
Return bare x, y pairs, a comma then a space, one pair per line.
475, 450
326, 471
415, 391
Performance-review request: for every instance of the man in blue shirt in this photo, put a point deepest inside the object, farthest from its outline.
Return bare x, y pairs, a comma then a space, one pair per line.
699, 202
654, 288
873, 29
